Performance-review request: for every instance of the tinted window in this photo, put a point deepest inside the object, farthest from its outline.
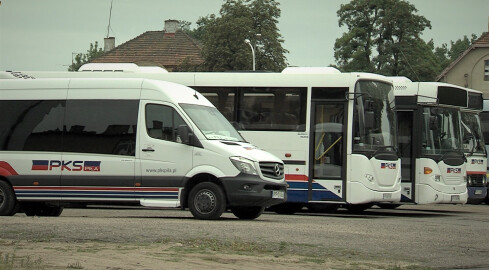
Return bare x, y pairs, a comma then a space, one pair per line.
101, 126
329, 93
452, 96
268, 108
475, 101
162, 122
31, 125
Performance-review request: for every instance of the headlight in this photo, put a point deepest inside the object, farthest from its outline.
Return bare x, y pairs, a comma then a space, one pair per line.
244, 165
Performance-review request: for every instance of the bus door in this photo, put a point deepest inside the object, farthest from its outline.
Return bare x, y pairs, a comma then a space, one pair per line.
327, 152
408, 161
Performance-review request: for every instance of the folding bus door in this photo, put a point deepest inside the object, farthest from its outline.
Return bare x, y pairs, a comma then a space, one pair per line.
327, 152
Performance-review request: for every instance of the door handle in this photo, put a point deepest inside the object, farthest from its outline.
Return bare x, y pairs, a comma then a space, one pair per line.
148, 150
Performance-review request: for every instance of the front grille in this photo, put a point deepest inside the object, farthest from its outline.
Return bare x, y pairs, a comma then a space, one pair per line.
269, 169
476, 180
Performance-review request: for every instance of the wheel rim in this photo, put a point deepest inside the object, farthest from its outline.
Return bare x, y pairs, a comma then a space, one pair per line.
205, 201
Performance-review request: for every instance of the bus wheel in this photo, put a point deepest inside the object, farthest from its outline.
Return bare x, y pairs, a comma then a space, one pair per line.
286, 208
8, 202
42, 210
207, 201
388, 205
357, 208
249, 213
322, 208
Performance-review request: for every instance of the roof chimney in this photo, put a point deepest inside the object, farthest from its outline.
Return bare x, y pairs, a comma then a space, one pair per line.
171, 26
109, 43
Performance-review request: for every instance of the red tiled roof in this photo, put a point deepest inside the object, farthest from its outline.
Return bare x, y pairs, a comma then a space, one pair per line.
481, 42
155, 48
483, 39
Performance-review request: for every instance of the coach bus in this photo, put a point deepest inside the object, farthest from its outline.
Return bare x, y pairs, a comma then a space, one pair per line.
335, 132
439, 132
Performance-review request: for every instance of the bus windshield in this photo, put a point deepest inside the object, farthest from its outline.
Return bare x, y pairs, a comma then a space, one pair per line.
212, 123
374, 117
441, 131
472, 133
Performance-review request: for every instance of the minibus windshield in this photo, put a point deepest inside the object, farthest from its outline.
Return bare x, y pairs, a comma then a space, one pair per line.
212, 123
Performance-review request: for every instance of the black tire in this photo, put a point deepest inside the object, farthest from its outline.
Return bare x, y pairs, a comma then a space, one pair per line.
286, 208
8, 202
250, 212
41, 210
207, 201
322, 207
389, 206
358, 208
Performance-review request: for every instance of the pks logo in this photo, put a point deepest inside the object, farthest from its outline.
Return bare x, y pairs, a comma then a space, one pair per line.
387, 165
71, 166
454, 170
477, 161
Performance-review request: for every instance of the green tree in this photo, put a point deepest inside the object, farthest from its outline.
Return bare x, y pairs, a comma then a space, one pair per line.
384, 37
81, 58
459, 46
223, 36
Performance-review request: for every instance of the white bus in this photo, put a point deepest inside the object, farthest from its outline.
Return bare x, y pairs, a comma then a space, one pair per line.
335, 132
474, 147
438, 131
484, 116
126, 141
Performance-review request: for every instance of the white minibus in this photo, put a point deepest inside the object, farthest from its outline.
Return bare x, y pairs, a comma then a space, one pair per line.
126, 141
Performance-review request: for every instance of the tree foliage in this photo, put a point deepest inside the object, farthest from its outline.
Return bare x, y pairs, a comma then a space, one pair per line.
445, 55
81, 58
223, 36
384, 37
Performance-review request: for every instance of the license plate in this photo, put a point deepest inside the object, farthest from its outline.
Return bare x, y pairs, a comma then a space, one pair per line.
387, 196
478, 192
455, 198
278, 194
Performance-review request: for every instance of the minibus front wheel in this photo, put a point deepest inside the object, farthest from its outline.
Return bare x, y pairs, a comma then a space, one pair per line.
207, 201
8, 202
249, 212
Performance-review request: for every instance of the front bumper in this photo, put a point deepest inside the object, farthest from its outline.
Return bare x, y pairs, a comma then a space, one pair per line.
250, 190
476, 194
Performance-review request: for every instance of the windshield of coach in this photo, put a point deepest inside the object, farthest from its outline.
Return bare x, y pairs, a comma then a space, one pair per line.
374, 117
441, 132
473, 140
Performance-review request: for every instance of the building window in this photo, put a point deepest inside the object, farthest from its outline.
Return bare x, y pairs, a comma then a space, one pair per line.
486, 70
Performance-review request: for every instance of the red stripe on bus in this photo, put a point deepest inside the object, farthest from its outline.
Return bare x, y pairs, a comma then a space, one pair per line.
484, 173
296, 177
6, 169
93, 188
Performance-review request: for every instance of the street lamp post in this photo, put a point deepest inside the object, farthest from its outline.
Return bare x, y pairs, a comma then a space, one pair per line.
247, 41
